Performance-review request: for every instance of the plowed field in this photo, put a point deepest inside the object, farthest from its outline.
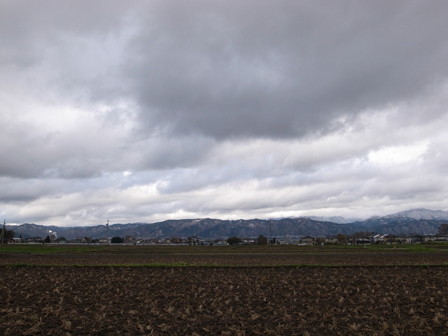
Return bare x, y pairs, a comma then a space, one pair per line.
366, 291
98, 300
244, 259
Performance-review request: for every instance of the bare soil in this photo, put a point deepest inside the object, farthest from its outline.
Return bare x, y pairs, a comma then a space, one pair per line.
96, 300
332, 259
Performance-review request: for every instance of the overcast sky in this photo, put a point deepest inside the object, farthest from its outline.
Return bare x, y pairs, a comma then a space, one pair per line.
153, 110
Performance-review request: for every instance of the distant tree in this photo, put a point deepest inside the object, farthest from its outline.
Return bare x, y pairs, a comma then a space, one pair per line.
47, 240
174, 240
320, 241
342, 239
116, 240
262, 240
233, 240
443, 230
9, 233
359, 234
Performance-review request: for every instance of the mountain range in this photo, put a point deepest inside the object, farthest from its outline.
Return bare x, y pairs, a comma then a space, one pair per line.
416, 221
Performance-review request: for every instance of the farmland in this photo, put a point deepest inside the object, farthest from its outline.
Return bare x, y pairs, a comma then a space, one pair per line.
251, 255
242, 290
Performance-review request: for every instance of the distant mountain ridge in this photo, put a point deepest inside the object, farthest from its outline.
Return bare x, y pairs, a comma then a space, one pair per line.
333, 219
421, 214
416, 221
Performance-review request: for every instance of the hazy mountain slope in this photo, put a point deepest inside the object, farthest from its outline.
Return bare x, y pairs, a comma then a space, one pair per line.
421, 214
400, 226
206, 228
332, 219
417, 221
33, 230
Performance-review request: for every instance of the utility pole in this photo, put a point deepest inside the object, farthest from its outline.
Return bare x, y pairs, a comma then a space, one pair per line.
270, 231
107, 227
3, 230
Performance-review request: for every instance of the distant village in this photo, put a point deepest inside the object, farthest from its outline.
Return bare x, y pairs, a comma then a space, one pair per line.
417, 226
360, 238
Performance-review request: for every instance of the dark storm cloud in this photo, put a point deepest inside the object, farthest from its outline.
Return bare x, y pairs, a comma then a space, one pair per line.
283, 69
253, 69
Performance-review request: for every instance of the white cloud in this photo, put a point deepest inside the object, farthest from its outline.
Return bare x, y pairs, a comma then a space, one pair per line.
396, 155
146, 111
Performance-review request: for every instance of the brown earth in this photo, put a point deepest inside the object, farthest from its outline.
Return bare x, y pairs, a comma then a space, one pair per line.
333, 259
397, 300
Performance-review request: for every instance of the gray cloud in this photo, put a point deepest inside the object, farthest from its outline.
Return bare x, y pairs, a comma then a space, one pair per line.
282, 71
153, 110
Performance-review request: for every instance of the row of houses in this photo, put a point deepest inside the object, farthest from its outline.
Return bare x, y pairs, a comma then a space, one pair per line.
366, 239
40, 240
389, 239
194, 240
